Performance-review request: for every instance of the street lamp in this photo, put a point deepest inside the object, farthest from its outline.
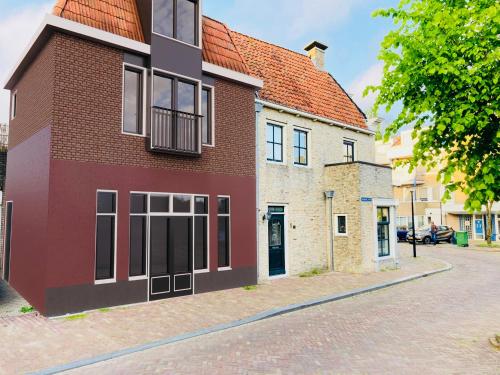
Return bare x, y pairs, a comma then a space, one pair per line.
413, 223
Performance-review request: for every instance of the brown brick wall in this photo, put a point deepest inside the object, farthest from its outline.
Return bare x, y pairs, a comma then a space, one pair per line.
87, 116
34, 97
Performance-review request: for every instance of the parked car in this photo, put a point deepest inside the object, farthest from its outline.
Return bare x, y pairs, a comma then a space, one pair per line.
402, 234
423, 235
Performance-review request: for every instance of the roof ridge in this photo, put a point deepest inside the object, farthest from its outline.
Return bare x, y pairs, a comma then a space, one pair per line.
271, 44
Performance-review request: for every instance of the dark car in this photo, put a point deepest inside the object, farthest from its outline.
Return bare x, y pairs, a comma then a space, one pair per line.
402, 234
423, 235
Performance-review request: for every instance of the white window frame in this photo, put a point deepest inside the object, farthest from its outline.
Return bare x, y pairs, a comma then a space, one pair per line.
212, 112
200, 30
146, 215
284, 149
144, 95
207, 215
309, 145
228, 268
13, 105
113, 280
337, 233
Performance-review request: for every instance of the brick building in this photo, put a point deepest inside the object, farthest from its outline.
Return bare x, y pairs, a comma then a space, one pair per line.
131, 164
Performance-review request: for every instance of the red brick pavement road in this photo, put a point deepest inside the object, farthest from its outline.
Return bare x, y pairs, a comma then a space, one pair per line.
438, 325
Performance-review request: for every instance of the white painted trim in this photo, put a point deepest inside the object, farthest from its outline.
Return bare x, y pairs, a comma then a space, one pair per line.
295, 112
144, 90
391, 204
212, 117
284, 148
232, 75
5, 238
354, 148
336, 225
161, 277
229, 267
13, 105
308, 132
80, 29
115, 214
207, 215
146, 215
190, 282
287, 249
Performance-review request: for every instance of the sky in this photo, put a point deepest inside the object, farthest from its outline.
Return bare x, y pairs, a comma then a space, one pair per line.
346, 26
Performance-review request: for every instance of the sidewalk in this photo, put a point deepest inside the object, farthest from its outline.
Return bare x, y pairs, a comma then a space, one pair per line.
31, 342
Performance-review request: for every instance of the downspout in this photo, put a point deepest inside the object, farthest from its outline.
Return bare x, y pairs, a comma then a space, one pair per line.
329, 196
258, 109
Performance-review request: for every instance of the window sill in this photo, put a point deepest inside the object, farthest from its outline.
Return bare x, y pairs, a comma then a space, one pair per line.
276, 163
137, 278
134, 134
223, 269
103, 282
201, 271
385, 257
341, 235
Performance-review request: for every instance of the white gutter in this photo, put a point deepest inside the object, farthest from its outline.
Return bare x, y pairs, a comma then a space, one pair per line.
76, 28
58, 23
232, 75
308, 115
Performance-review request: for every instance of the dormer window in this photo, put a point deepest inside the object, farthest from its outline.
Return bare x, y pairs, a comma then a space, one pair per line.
177, 19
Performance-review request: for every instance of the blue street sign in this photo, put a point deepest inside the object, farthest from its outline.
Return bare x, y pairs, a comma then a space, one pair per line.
366, 199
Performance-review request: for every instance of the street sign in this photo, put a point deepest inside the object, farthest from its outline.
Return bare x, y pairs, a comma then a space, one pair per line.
366, 199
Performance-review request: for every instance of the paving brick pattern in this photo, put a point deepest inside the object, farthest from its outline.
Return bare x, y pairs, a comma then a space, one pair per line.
32, 342
437, 325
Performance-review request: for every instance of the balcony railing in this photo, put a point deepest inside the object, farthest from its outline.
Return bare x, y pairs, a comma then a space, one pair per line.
175, 132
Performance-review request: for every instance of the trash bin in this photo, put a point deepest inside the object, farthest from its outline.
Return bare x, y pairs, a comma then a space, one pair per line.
462, 239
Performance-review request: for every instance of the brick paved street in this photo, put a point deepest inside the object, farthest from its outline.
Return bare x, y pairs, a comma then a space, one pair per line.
437, 325
32, 342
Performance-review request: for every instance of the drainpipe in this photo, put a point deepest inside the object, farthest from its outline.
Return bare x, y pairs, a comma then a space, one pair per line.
329, 196
258, 109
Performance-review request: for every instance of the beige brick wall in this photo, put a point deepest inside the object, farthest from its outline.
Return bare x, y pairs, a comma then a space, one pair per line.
301, 189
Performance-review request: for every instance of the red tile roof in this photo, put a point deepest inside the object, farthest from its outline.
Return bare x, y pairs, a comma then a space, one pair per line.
292, 80
119, 17
219, 47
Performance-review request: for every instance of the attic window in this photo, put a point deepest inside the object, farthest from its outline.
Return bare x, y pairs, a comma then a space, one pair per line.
177, 19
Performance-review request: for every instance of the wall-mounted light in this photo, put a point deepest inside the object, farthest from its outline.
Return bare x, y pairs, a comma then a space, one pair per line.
329, 194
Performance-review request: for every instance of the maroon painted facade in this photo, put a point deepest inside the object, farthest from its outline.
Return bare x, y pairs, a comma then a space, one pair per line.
69, 143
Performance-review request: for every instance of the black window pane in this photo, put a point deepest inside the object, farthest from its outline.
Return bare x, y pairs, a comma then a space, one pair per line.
201, 205
106, 203
186, 97
223, 241
163, 17
162, 96
223, 206
180, 238
206, 121
200, 242
341, 224
186, 21
105, 247
182, 203
160, 203
138, 203
138, 245
158, 246
132, 102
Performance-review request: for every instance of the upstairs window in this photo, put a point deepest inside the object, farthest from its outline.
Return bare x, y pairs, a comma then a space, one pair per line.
13, 103
348, 151
300, 147
207, 110
176, 19
133, 100
174, 94
274, 137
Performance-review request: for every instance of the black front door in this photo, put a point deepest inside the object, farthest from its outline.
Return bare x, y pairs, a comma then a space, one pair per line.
171, 257
277, 242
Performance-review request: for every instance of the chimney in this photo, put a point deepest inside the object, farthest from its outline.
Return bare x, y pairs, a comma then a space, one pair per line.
316, 51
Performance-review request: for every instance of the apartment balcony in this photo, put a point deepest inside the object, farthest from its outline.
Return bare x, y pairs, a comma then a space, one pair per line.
175, 132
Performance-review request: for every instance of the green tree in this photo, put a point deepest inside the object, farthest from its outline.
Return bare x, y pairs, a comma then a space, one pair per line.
441, 64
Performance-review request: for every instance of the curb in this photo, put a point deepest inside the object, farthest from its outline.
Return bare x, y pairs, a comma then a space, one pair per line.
237, 323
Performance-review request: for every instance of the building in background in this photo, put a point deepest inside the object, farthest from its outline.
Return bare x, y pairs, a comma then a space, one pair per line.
4, 142
429, 193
